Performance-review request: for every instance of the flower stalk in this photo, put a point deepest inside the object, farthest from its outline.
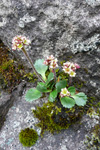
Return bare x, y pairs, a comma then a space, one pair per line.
70, 80
31, 63
55, 78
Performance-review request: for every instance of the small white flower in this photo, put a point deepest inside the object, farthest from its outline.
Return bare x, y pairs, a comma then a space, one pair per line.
49, 59
67, 70
64, 92
53, 64
72, 74
19, 41
70, 67
67, 64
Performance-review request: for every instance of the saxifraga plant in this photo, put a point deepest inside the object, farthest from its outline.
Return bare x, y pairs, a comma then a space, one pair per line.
58, 87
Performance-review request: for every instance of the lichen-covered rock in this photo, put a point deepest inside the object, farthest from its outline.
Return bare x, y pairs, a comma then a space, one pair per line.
87, 78
54, 26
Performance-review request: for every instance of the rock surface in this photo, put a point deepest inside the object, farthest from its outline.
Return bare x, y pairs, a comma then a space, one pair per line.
54, 26
59, 27
20, 116
6, 101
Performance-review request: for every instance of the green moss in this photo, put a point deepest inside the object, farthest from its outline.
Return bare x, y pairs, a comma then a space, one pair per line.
6, 64
44, 114
31, 77
78, 83
96, 132
93, 141
92, 112
93, 101
11, 71
62, 75
28, 137
53, 118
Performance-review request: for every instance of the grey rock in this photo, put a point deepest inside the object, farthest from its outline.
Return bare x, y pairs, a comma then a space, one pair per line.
7, 99
54, 26
20, 116
5, 103
89, 72
59, 27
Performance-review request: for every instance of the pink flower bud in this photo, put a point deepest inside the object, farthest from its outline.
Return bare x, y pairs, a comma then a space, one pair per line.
77, 66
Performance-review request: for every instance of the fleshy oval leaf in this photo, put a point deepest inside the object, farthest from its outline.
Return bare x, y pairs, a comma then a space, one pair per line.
42, 87
40, 67
72, 90
32, 94
67, 102
53, 95
80, 99
50, 77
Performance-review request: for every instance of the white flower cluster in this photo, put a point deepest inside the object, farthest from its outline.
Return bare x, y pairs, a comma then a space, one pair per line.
70, 68
64, 92
51, 61
19, 41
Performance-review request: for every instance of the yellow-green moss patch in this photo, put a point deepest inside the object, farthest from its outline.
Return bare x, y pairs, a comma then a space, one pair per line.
28, 137
53, 118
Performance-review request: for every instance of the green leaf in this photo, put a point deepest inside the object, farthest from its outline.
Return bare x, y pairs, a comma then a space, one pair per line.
50, 77
32, 94
52, 96
72, 90
80, 99
42, 87
60, 85
40, 67
67, 102
81, 94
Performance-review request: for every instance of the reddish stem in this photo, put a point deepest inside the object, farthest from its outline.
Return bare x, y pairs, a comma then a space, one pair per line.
31, 63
